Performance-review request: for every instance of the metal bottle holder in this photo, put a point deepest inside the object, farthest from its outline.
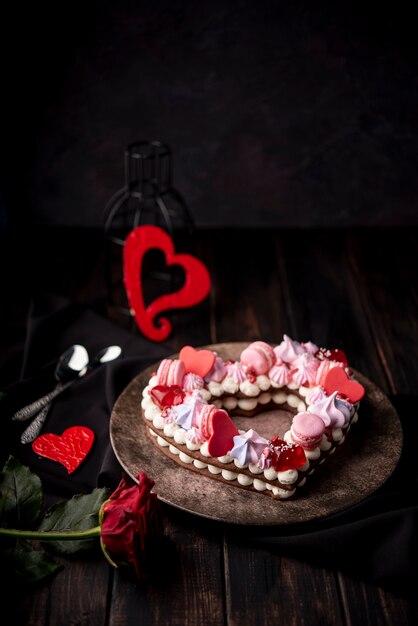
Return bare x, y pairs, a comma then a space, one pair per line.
147, 197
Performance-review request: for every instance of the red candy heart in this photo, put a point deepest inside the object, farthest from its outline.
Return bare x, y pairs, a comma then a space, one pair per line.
286, 456
332, 355
337, 380
164, 395
69, 449
196, 285
223, 430
198, 362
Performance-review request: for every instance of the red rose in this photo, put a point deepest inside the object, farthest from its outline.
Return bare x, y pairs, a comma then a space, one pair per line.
129, 521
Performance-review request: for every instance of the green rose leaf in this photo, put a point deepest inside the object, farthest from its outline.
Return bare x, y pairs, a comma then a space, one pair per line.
21, 495
79, 513
27, 565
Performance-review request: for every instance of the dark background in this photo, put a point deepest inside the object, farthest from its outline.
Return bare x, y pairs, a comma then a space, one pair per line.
278, 113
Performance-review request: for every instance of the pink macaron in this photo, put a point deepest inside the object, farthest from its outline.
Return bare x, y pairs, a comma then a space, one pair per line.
259, 356
171, 372
307, 430
203, 420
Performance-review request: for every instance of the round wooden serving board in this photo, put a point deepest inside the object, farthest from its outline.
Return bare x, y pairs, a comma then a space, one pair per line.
362, 464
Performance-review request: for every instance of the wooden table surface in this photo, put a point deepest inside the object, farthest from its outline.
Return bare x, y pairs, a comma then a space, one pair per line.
350, 289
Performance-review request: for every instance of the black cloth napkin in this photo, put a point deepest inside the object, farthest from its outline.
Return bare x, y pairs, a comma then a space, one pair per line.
376, 540
54, 324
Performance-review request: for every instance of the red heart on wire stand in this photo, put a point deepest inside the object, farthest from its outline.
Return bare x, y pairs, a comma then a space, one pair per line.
70, 449
196, 285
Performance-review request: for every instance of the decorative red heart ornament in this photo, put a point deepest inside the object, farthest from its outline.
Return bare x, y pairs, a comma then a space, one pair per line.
285, 456
69, 449
164, 396
337, 380
223, 431
198, 362
195, 289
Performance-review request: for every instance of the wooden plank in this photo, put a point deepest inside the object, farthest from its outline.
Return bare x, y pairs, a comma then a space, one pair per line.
78, 594
27, 606
384, 274
248, 304
324, 299
366, 604
253, 303
329, 306
190, 588
193, 326
385, 271
267, 589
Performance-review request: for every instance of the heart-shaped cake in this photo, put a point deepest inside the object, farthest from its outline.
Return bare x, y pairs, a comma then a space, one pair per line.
189, 406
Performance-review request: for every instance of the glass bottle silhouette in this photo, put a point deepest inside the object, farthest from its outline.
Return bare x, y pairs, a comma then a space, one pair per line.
147, 197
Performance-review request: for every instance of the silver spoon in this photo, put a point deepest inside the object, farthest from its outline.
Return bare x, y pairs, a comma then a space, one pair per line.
104, 356
71, 364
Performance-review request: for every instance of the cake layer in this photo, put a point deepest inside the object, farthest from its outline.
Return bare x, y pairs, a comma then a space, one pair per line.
257, 485
169, 440
188, 409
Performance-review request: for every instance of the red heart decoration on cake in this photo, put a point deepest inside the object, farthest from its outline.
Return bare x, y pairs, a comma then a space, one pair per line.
196, 285
198, 362
223, 431
69, 449
164, 396
337, 380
